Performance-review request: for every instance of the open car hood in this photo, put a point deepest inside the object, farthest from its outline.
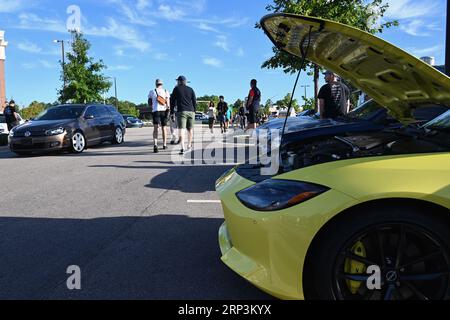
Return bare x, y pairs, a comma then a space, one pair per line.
389, 75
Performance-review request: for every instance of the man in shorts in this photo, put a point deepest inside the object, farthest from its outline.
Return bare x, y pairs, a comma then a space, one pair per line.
185, 101
159, 100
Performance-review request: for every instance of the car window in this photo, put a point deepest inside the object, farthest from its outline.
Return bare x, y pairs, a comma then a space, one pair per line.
93, 111
366, 111
61, 113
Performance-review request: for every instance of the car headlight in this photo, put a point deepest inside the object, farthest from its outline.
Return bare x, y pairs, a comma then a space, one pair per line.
55, 132
274, 195
11, 134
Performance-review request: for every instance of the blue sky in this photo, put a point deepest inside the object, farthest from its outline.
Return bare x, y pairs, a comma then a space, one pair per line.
212, 42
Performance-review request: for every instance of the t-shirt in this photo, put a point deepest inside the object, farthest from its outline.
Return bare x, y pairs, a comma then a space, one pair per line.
331, 93
183, 99
9, 114
211, 113
162, 93
255, 93
222, 108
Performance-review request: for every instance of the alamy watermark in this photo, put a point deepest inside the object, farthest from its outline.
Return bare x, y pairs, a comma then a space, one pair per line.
73, 22
74, 280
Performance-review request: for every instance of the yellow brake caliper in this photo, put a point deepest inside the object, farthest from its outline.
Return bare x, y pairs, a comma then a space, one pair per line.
356, 267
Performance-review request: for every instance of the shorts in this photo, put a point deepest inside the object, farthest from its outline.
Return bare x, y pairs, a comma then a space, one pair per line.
251, 117
186, 120
161, 118
212, 121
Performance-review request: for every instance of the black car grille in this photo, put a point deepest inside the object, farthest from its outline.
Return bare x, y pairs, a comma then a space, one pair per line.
21, 134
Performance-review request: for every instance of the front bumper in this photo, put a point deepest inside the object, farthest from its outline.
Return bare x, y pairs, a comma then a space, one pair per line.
39, 144
269, 248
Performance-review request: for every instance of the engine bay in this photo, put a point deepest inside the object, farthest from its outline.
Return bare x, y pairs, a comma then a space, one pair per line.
361, 145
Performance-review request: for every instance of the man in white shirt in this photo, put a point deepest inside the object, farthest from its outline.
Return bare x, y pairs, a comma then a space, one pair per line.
159, 100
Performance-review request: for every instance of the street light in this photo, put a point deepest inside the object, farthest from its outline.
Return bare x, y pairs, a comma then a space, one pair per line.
63, 61
308, 86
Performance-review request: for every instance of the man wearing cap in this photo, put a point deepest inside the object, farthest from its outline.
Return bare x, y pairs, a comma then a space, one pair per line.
159, 100
334, 97
184, 100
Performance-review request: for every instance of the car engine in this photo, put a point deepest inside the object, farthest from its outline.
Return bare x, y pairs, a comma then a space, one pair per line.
354, 146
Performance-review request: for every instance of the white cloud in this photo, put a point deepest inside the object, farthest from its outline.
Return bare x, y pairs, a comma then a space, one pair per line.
29, 47
161, 56
408, 9
240, 52
171, 13
46, 64
213, 62
39, 64
416, 27
430, 51
206, 27
143, 4
222, 42
8, 6
120, 68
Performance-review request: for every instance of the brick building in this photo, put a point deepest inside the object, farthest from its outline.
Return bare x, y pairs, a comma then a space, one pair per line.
3, 45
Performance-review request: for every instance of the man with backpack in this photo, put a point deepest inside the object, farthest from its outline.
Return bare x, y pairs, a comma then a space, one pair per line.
159, 101
334, 97
222, 110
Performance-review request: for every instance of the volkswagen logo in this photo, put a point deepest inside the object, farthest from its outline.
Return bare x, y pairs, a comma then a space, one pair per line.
391, 276
28, 134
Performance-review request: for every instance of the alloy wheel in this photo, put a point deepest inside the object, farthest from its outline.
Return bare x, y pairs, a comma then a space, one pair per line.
414, 265
78, 142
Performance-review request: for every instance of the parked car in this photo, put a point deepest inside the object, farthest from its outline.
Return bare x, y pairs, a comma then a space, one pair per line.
132, 121
69, 127
352, 202
368, 117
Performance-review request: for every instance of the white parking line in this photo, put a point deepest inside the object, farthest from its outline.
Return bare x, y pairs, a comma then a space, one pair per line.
204, 201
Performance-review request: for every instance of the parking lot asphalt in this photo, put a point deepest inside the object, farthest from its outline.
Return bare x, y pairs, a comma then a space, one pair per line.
120, 213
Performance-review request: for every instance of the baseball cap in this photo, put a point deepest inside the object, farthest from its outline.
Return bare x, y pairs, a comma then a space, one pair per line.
159, 82
181, 78
329, 72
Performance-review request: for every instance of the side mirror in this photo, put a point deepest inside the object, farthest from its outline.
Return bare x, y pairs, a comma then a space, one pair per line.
89, 117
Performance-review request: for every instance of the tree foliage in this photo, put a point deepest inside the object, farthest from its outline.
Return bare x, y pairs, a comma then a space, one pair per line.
33, 110
284, 103
83, 76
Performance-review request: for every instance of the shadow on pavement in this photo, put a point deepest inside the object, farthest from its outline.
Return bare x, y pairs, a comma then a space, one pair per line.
187, 179
160, 257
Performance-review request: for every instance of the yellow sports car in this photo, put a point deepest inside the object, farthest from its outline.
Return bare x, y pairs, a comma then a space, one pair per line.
355, 216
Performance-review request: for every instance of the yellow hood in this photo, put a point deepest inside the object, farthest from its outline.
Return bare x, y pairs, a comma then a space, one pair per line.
389, 75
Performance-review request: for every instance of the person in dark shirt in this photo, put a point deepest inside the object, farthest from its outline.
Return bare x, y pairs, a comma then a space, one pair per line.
334, 98
253, 102
11, 116
222, 110
183, 98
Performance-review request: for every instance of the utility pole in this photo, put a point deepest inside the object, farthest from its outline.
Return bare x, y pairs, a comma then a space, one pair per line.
447, 47
63, 61
308, 86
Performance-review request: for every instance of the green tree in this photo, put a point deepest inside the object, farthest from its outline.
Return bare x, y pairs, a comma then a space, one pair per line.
362, 14
83, 76
285, 103
203, 104
33, 110
237, 105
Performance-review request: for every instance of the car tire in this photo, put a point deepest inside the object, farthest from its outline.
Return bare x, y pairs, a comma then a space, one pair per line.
330, 272
119, 136
78, 142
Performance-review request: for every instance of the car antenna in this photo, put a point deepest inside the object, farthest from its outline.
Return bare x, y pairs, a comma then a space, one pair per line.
302, 65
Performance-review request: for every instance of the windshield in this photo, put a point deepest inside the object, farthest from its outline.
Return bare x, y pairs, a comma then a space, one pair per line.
61, 113
442, 122
365, 111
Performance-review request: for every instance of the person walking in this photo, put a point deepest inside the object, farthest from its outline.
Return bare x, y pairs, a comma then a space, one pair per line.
222, 109
334, 97
212, 116
174, 130
253, 102
184, 99
159, 100
11, 115
243, 118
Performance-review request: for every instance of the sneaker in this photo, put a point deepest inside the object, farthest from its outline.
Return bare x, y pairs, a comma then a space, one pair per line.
165, 148
172, 142
181, 152
155, 149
